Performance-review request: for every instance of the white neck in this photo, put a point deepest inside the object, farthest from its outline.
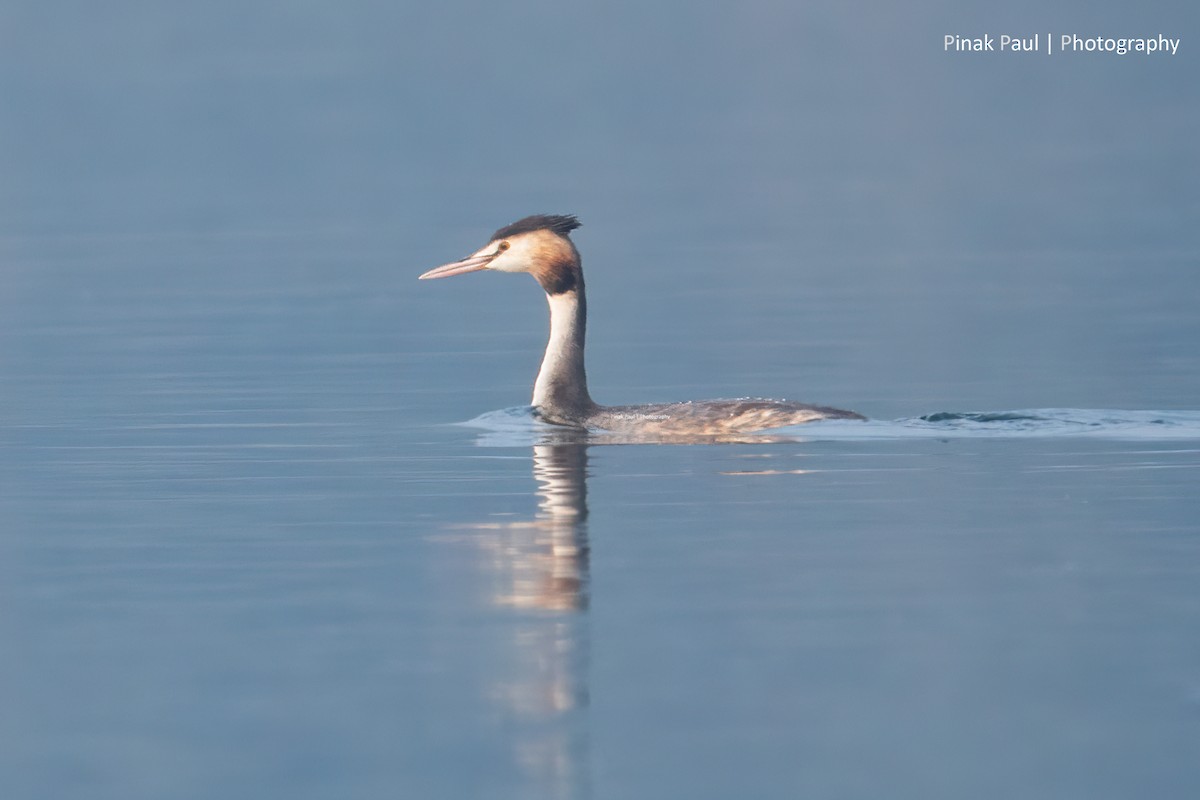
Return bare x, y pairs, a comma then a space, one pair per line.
560, 391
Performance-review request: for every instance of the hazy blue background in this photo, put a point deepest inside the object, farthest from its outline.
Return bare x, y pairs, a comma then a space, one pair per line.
242, 553
704, 145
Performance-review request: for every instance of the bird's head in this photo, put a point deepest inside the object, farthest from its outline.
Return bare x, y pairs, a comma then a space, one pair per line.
539, 245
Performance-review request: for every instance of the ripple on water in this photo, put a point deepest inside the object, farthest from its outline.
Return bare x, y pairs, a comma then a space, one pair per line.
515, 427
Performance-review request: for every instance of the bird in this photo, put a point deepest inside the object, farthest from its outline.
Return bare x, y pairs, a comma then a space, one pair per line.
541, 245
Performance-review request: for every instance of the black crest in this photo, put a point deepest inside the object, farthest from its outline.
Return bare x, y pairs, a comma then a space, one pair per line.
562, 224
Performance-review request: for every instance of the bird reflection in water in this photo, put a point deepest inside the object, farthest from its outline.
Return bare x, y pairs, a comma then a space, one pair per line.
540, 567
544, 562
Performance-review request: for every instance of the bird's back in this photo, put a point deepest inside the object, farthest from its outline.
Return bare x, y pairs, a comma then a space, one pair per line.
711, 417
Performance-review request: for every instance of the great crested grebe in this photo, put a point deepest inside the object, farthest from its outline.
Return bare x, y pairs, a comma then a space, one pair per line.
541, 245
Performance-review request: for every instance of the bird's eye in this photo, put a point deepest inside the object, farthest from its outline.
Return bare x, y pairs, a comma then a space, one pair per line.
503, 246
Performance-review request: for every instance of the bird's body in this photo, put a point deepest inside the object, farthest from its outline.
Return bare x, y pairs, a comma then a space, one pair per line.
541, 246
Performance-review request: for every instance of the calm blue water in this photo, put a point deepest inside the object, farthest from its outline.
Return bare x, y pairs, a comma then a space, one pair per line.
274, 521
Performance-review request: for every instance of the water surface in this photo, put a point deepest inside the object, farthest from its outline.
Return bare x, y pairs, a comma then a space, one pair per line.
249, 548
